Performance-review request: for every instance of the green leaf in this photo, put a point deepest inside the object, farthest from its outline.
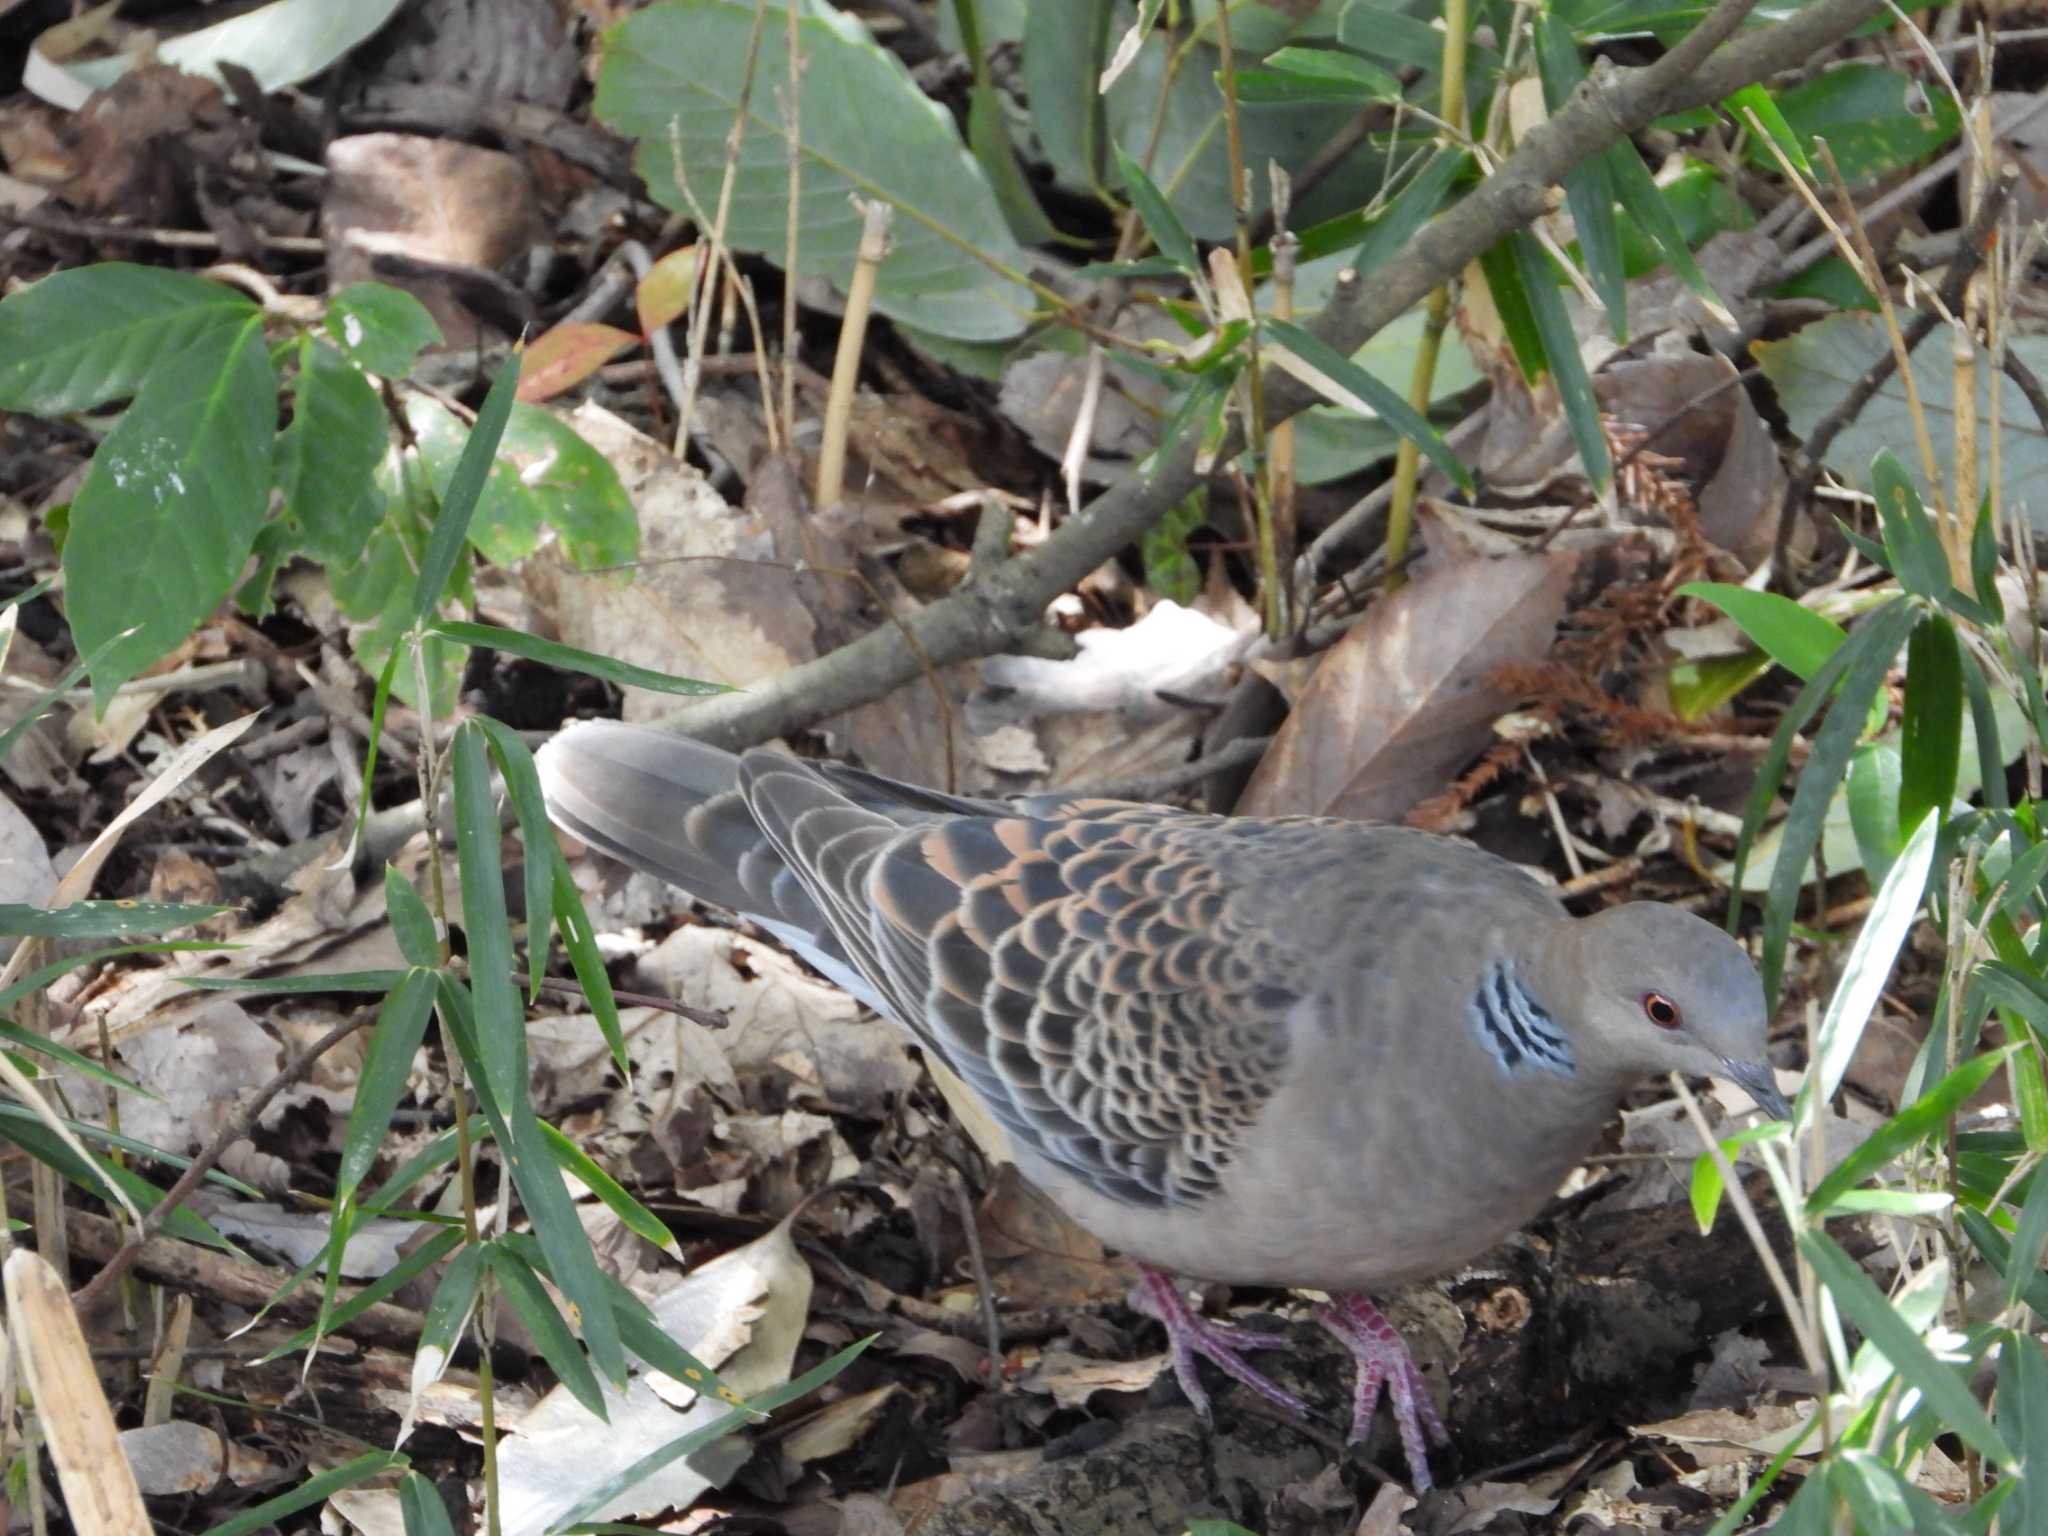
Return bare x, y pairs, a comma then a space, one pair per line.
1859, 667
421, 1507
1931, 738
1157, 215
501, 1046
1413, 206
1752, 106
101, 919
1868, 966
718, 1429
2029, 1240
313, 1491
522, 785
1912, 549
610, 1193
2023, 1420
550, 1334
1292, 75
409, 1268
1874, 806
1865, 1306
326, 457
380, 328
418, 935
1065, 49
554, 654
169, 509
1924, 1117
29, 1041
297, 986
1562, 358
1790, 633
672, 77
1875, 120
464, 487
387, 1067
1359, 390
1170, 570
87, 335
1643, 202
1589, 189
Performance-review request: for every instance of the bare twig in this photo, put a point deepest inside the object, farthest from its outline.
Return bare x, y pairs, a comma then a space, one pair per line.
238, 1127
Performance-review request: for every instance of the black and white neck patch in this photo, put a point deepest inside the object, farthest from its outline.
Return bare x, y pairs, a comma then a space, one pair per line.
1516, 1029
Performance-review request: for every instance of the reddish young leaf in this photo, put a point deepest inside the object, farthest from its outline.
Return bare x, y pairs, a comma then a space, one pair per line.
567, 355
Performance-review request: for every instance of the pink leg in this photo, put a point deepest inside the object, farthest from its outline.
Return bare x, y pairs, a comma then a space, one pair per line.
1189, 1334
1383, 1360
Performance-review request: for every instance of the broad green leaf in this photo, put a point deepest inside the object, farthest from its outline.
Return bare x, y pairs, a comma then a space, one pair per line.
1866, 1306
1874, 119
553, 653
313, 1491
1931, 735
1814, 367
1065, 49
380, 328
88, 335
1790, 633
325, 459
544, 474
671, 78
1170, 570
169, 510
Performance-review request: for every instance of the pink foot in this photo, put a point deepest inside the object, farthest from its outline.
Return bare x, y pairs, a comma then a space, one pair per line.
1383, 1360
1189, 1334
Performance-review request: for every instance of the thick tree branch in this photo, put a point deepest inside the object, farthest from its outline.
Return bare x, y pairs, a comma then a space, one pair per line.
989, 611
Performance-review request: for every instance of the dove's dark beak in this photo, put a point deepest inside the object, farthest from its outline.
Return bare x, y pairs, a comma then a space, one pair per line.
1757, 1079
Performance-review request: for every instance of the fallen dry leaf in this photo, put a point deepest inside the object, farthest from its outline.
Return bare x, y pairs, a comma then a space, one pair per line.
1404, 700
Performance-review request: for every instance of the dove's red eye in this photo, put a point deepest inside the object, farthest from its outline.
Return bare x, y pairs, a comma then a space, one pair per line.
1660, 1010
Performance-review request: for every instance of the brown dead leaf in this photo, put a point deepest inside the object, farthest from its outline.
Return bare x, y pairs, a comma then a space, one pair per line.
436, 202
1694, 412
1037, 1257
1405, 699
1072, 1379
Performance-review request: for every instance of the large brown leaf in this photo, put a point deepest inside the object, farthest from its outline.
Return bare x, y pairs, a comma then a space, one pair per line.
1405, 700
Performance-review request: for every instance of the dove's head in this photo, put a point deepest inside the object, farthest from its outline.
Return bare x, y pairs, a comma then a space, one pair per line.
1666, 991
